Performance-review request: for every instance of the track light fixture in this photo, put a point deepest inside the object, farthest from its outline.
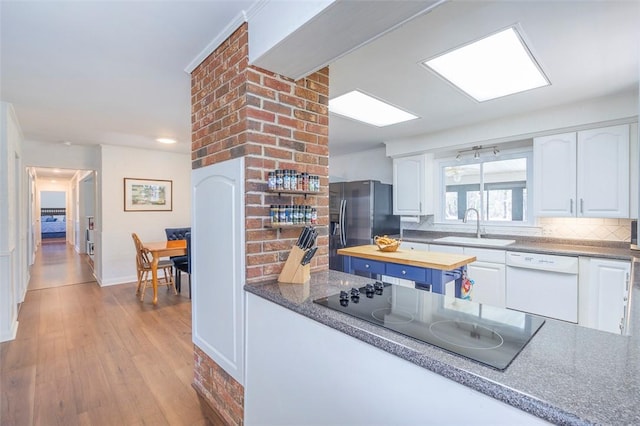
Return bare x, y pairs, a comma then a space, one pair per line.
477, 150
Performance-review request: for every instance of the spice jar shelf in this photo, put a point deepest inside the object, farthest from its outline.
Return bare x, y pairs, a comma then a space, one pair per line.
297, 225
293, 192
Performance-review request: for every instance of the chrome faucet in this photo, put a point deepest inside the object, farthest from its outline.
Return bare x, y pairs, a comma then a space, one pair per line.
466, 214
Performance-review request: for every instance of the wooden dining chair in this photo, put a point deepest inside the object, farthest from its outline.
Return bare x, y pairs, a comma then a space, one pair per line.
143, 265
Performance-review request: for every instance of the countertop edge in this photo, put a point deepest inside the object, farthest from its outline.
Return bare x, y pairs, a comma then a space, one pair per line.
510, 396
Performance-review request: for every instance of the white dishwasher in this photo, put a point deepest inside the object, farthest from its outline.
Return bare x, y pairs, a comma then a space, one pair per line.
543, 284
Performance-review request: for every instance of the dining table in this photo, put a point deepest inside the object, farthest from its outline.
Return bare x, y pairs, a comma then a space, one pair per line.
160, 249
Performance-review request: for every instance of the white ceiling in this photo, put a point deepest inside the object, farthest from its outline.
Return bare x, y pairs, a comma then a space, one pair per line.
106, 71
113, 72
587, 49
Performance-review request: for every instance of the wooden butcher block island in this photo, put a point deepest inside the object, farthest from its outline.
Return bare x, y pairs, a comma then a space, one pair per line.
428, 269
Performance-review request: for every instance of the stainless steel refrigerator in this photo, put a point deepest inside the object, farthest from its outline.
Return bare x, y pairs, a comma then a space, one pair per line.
358, 211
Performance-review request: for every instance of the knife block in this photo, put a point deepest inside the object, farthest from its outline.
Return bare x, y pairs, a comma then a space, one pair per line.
292, 271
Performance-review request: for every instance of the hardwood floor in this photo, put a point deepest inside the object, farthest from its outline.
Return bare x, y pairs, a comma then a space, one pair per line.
57, 264
86, 355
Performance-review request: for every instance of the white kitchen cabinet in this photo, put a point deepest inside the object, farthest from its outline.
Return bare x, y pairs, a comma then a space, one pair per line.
488, 273
555, 175
603, 172
446, 249
583, 174
604, 294
410, 245
413, 185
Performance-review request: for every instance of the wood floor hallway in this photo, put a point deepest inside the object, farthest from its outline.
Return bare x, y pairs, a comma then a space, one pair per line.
86, 355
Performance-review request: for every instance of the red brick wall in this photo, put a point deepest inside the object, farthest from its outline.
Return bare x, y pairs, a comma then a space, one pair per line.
289, 121
224, 394
274, 122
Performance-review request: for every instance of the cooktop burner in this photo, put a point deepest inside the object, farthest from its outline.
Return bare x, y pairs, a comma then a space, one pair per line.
486, 334
452, 331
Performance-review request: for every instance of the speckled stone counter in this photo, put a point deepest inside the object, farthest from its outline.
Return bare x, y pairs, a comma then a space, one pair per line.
603, 249
567, 374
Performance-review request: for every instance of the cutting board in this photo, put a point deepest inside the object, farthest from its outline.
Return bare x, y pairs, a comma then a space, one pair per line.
419, 258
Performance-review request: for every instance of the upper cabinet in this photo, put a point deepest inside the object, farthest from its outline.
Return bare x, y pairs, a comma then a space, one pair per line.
583, 174
412, 193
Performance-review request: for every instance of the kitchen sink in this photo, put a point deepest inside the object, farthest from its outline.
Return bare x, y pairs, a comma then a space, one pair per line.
472, 241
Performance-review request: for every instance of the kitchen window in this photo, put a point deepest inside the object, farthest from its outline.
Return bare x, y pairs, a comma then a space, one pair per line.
498, 187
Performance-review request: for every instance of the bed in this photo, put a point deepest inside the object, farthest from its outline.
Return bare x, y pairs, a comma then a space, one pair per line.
53, 222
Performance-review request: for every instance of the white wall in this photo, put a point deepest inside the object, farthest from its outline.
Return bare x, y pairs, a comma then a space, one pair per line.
13, 269
53, 199
371, 164
598, 112
115, 253
45, 154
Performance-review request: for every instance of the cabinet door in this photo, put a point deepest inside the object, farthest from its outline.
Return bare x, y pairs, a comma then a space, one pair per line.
608, 292
409, 245
217, 270
554, 175
410, 188
489, 283
603, 172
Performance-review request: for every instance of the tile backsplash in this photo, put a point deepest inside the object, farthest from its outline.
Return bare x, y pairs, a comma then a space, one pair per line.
563, 228
586, 229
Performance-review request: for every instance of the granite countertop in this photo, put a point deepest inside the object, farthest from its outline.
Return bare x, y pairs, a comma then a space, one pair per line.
567, 374
603, 249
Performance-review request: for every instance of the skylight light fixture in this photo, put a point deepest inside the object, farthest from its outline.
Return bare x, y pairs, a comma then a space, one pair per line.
492, 67
362, 107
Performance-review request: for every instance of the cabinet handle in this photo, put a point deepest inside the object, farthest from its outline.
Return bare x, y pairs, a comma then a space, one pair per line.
571, 205
581, 206
366, 265
626, 283
404, 272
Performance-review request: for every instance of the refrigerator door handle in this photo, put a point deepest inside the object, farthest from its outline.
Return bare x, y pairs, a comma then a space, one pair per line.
343, 236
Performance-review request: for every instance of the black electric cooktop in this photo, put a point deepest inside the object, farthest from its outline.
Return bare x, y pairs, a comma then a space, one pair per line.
486, 334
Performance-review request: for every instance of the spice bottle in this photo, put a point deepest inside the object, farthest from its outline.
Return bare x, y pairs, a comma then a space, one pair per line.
286, 180
272, 181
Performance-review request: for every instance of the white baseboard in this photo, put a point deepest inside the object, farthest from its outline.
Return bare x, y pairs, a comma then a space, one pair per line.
10, 334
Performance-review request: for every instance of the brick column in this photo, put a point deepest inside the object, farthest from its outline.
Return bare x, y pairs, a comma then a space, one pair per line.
240, 110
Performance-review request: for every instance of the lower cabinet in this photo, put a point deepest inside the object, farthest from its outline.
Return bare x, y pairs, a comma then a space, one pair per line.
489, 283
604, 294
487, 272
302, 372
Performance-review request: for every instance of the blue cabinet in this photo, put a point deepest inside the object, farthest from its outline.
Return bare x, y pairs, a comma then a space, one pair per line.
425, 278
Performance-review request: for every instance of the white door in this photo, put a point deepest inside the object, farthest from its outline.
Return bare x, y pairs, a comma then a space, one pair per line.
489, 283
608, 292
603, 172
218, 269
554, 175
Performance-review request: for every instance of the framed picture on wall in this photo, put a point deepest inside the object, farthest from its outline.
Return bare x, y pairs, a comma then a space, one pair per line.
148, 195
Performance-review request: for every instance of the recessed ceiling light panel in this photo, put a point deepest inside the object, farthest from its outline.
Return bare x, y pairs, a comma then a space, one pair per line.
495, 66
166, 140
365, 108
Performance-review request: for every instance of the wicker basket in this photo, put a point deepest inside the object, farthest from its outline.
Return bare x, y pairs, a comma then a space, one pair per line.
387, 247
